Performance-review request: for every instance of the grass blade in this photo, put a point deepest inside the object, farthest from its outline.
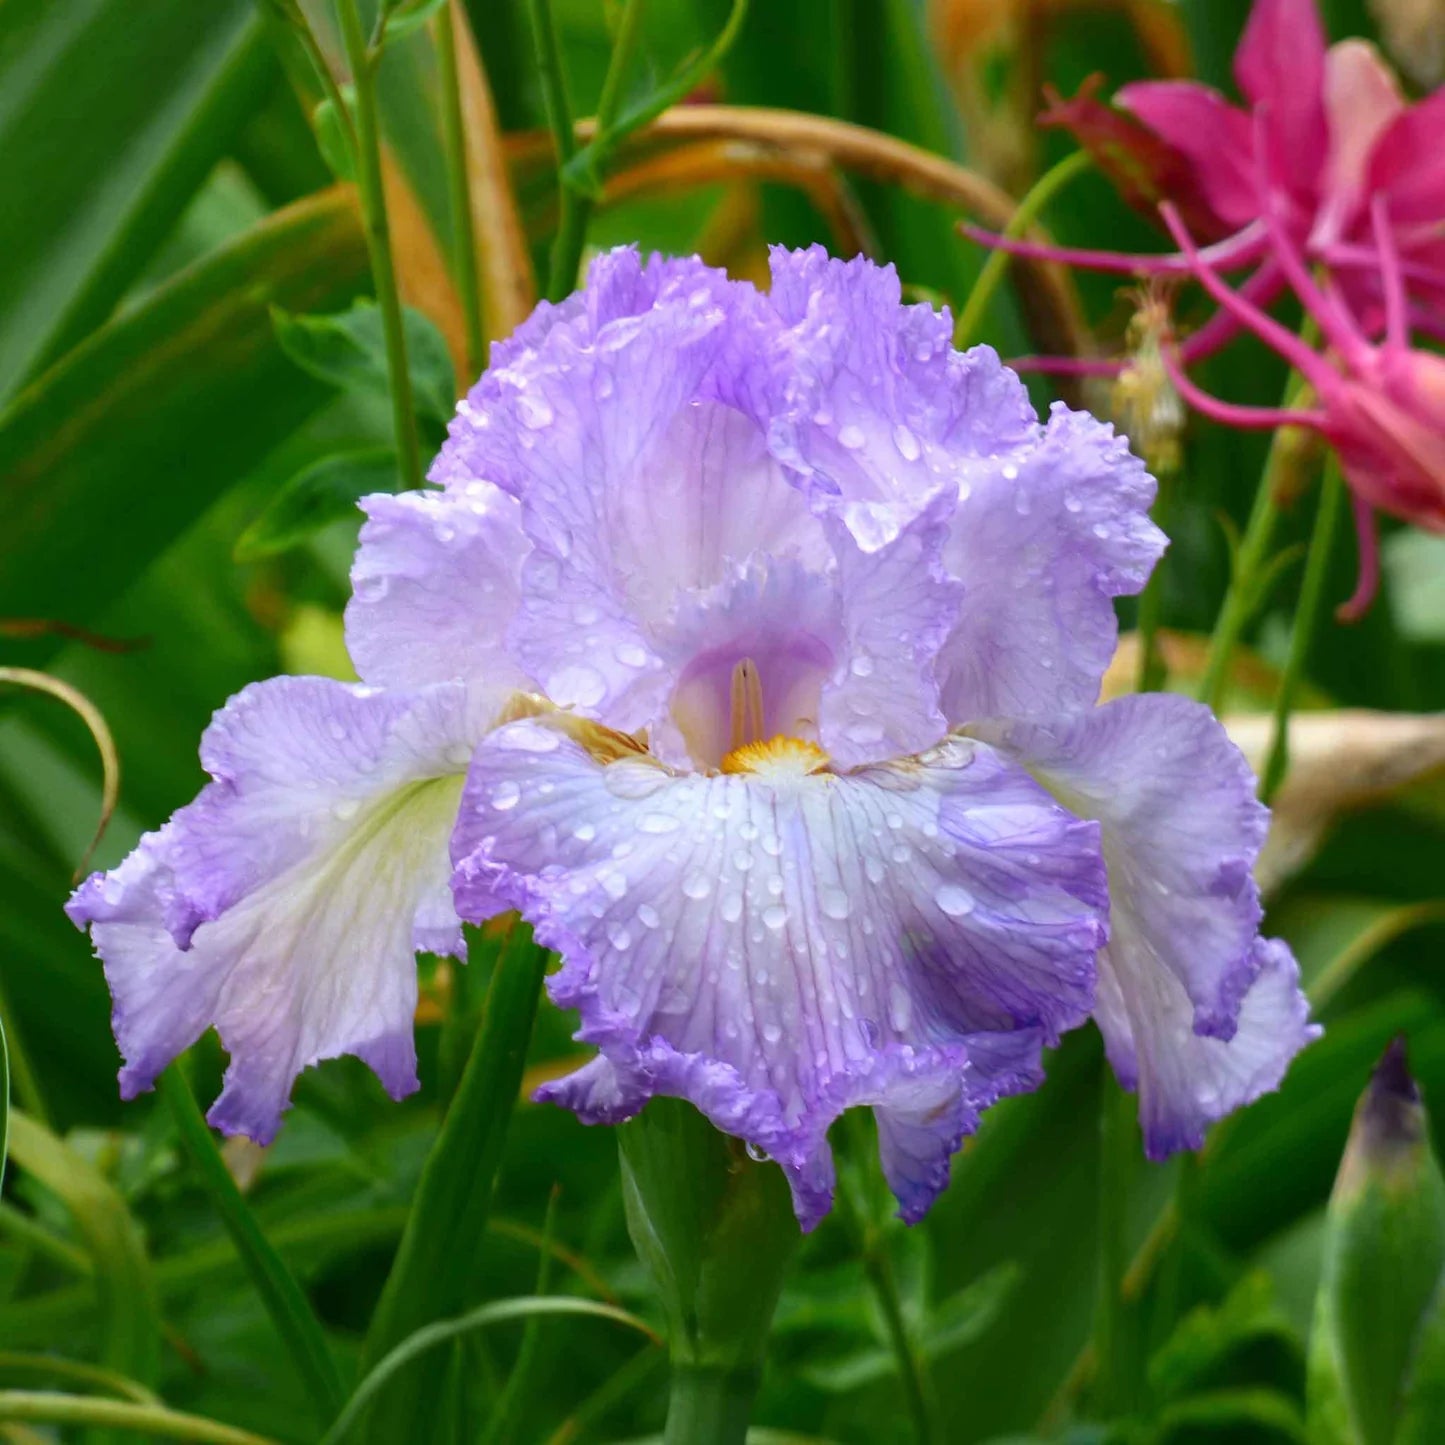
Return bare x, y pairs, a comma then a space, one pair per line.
439, 1333
285, 1303
128, 1315
446, 1229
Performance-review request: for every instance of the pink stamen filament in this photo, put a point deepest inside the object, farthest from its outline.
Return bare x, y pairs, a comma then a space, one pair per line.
1308, 363
1368, 582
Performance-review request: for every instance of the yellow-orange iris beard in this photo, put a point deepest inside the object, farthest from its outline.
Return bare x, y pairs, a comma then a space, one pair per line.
779, 757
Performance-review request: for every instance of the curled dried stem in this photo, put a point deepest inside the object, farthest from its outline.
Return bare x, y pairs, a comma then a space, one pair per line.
95, 721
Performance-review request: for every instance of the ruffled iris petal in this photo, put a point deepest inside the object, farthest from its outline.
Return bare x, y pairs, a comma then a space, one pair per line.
1198, 1012
881, 417
285, 905
778, 947
1042, 548
436, 582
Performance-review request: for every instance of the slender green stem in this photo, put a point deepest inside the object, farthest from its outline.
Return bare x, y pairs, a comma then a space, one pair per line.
627, 32
709, 1405
459, 190
1116, 1158
1153, 672
55, 1367
1306, 620
862, 1211
1026, 213
878, 1267
362, 60
571, 220
575, 206
307, 39
1242, 596
286, 1304
152, 1420
1239, 600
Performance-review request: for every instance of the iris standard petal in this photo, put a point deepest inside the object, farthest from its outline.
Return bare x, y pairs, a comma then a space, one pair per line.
780, 944
880, 417
875, 407
436, 583
1042, 549
285, 905
897, 605
1198, 1012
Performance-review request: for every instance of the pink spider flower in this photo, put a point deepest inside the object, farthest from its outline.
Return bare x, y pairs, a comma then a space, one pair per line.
1324, 130
1381, 406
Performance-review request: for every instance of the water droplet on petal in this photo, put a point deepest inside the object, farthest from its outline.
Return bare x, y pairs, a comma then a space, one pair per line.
953, 900
906, 443
851, 437
658, 823
346, 808
862, 665
772, 1034
731, 907
775, 916
535, 411
647, 915
506, 795
577, 686
900, 1006
833, 902
630, 654
697, 886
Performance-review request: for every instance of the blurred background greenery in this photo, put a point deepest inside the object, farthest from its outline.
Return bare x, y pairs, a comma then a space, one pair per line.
161, 190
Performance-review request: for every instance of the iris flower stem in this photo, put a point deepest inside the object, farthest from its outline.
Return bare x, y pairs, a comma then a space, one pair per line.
362, 59
459, 190
575, 205
1117, 1137
1252, 557
1025, 214
708, 1404
1306, 621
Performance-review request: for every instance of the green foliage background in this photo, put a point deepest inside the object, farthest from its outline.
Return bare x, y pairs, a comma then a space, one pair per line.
160, 190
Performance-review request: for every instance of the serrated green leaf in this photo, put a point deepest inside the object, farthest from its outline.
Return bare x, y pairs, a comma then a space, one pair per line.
323, 493
348, 350
114, 452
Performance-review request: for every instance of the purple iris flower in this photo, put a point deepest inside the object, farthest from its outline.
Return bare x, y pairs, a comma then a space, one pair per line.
751, 651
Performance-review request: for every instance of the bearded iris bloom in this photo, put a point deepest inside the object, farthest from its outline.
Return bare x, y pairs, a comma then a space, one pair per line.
750, 650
